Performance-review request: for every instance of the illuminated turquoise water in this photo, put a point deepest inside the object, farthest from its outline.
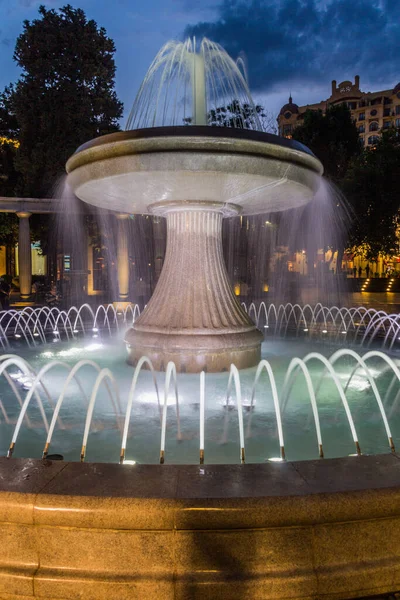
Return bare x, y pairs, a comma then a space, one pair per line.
221, 424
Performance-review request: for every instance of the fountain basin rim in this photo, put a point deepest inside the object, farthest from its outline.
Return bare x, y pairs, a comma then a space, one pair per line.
89, 519
287, 479
194, 139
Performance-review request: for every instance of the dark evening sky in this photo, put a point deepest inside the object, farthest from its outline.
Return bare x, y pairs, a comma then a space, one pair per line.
289, 45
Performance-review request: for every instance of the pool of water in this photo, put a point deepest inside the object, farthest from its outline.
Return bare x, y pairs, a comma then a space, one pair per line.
221, 415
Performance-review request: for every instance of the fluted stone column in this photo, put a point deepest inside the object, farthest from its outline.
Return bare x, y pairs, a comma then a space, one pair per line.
193, 317
123, 257
24, 256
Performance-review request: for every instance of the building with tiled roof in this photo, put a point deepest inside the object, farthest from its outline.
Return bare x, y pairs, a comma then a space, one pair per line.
373, 112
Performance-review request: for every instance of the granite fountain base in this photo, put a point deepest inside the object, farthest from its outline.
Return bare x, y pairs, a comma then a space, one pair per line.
314, 529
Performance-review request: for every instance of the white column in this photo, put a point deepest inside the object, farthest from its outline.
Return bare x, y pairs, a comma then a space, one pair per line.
199, 90
123, 257
24, 256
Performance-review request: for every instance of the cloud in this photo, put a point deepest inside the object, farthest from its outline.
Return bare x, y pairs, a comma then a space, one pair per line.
30, 3
307, 42
34, 3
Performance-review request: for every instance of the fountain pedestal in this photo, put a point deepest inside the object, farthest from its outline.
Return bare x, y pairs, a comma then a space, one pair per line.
193, 176
193, 317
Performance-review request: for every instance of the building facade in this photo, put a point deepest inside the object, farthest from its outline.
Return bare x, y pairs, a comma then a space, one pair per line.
373, 112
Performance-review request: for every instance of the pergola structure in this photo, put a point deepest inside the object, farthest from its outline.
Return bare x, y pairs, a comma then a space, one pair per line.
24, 208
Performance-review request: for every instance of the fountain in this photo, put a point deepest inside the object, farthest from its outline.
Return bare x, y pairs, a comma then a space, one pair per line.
273, 529
194, 176
71, 362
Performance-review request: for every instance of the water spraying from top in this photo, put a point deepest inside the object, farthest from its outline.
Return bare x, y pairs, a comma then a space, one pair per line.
199, 86
194, 177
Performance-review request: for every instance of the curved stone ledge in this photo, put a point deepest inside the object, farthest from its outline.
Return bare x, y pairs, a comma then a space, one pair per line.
315, 529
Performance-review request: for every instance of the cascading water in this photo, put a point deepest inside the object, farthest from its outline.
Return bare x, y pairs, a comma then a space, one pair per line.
322, 405
194, 177
328, 403
190, 85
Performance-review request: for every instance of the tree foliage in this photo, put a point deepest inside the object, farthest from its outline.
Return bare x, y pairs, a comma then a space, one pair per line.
333, 137
64, 97
8, 229
372, 186
9, 145
240, 116
8, 173
369, 178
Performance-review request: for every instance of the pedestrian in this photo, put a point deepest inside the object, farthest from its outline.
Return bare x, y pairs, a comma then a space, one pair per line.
359, 271
354, 271
367, 270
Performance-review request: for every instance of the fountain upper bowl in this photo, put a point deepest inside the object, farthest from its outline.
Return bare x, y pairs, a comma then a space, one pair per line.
141, 170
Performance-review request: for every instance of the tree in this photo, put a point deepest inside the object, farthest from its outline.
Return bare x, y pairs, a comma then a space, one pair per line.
333, 137
9, 145
65, 95
372, 185
8, 230
8, 174
240, 116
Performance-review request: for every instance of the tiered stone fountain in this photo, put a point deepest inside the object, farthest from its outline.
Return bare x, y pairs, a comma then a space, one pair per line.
310, 529
194, 176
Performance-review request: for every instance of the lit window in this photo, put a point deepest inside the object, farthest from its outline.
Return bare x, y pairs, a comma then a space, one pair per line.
287, 130
374, 126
